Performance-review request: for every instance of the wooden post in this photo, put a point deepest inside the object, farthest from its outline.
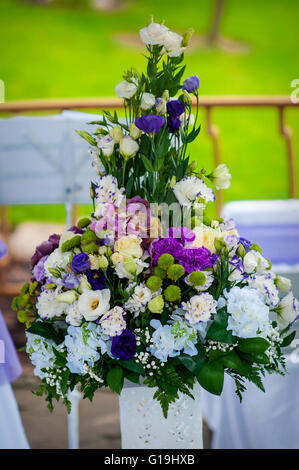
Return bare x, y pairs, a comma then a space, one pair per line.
286, 133
214, 134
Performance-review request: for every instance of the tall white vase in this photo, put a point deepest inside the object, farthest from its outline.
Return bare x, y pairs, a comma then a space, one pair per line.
143, 425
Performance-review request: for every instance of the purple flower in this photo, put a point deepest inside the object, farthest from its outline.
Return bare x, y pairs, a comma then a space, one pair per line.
39, 270
191, 84
245, 243
45, 248
96, 279
165, 245
173, 123
124, 345
70, 281
80, 262
237, 263
185, 234
175, 108
76, 230
150, 123
195, 259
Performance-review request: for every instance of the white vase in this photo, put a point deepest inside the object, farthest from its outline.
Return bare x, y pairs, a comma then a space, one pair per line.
143, 425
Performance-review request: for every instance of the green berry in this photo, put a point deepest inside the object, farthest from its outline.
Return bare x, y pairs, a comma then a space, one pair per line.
172, 293
73, 242
175, 271
197, 278
83, 222
161, 273
154, 283
90, 248
165, 261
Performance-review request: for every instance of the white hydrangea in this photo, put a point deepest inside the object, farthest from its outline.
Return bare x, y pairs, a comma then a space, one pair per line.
264, 283
48, 306
113, 322
199, 308
138, 301
255, 262
56, 260
192, 189
41, 353
249, 315
108, 191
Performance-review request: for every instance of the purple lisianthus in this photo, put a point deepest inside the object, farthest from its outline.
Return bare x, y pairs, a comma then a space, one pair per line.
165, 245
80, 262
76, 230
150, 123
45, 248
70, 281
245, 243
96, 279
124, 345
191, 84
39, 271
185, 234
196, 259
173, 123
175, 108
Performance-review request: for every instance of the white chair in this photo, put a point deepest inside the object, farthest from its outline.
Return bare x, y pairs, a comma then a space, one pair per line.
262, 420
44, 161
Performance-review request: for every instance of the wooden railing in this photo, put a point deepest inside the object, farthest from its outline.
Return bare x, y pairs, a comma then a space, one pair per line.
207, 102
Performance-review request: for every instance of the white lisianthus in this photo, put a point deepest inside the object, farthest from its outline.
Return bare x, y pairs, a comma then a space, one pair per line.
129, 246
147, 101
287, 311
48, 306
92, 304
249, 315
153, 34
113, 323
139, 299
106, 144
56, 260
199, 308
84, 284
221, 177
254, 261
135, 133
264, 283
68, 297
129, 269
74, 317
96, 163
126, 90
283, 283
192, 189
116, 134
108, 191
173, 44
128, 147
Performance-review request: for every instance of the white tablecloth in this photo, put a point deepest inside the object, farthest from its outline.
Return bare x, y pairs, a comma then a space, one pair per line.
263, 420
12, 435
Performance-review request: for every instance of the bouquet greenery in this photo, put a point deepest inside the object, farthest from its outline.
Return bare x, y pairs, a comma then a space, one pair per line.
149, 289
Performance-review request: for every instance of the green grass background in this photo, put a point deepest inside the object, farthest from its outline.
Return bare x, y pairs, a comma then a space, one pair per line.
54, 51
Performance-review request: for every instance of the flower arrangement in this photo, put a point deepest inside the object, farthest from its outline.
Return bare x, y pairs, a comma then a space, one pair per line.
126, 295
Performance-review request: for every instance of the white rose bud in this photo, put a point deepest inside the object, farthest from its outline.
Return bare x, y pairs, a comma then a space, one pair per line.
103, 262
68, 297
153, 34
147, 101
135, 133
84, 284
102, 250
116, 134
283, 283
221, 177
125, 90
128, 147
94, 262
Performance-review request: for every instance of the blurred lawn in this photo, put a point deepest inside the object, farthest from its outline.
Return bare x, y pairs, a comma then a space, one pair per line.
50, 51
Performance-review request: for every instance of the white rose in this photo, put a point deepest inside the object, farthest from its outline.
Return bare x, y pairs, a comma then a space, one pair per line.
221, 177
153, 34
128, 147
92, 304
173, 44
147, 101
129, 246
205, 236
126, 90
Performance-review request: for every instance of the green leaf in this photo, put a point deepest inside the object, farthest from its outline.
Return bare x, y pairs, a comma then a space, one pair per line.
147, 163
259, 358
211, 377
132, 376
288, 339
46, 331
64, 381
231, 360
218, 329
253, 345
192, 363
60, 359
87, 137
133, 366
115, 379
